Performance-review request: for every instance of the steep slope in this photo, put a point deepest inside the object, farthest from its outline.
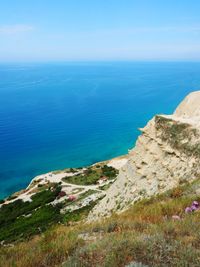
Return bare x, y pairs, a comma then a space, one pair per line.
155, 232
166, 153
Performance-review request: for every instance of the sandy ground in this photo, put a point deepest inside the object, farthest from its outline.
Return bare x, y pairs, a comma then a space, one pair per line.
118, 163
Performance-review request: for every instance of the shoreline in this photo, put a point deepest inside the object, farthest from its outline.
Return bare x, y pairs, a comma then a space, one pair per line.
56, 177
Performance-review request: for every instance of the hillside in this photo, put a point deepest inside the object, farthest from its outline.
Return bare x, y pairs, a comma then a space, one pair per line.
155, 232
56, 197
166, 153
141, 209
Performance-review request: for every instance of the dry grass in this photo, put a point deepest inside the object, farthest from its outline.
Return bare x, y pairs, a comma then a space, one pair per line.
145, 233
49, 249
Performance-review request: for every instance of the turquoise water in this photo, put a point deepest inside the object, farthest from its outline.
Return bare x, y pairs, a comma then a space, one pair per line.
54, 116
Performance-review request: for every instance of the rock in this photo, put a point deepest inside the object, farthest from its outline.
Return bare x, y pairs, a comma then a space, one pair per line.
189, 107
176, 218
159, 160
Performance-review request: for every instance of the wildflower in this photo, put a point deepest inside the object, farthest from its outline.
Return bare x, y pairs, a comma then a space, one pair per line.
193, 207
195, 203
188, 210
72, 198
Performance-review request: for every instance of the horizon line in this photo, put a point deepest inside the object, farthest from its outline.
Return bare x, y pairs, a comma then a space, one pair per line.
102, 60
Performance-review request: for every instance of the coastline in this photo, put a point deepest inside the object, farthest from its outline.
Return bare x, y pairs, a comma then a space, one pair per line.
62, 196
78, 135
56, 177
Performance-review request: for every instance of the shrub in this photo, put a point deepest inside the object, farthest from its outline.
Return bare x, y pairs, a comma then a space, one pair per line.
176, 192
36, 223
11, 197
16, 217
92, 175
112, 227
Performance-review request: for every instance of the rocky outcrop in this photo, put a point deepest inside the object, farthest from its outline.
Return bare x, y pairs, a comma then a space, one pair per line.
166, 153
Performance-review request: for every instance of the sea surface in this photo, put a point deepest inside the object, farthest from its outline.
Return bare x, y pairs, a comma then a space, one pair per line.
59, 115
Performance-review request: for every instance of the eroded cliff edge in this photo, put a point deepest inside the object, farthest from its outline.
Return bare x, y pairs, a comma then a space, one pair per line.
166, 154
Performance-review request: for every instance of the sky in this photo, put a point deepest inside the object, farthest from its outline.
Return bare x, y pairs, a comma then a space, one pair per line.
76, 30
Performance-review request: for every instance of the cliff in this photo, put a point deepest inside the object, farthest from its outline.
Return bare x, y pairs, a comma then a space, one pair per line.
167, 153
43, 224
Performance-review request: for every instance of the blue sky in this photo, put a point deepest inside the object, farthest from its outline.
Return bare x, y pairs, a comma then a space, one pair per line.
50, 30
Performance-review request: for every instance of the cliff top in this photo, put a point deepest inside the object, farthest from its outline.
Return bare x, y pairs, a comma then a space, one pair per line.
190, 106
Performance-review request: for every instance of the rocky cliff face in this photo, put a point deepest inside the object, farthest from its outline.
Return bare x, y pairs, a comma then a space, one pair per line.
166, 153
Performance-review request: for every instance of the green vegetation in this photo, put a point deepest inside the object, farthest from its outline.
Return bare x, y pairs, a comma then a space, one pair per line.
87, 194
24, 227
145, 234
178, 135
19, 219
91, 175
11, 197
2, 201
82, 196
79, 214
104, 187
11, 211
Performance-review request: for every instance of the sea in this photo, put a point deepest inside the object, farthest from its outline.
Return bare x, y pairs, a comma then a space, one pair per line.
72, 114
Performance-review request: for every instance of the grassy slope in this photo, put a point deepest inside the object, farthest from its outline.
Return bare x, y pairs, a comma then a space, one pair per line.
145, 233
19, 220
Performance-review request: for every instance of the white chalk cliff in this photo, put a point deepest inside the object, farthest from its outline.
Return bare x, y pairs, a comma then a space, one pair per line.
166, 153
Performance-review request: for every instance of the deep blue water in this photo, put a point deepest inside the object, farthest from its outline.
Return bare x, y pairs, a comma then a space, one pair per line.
55, 115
